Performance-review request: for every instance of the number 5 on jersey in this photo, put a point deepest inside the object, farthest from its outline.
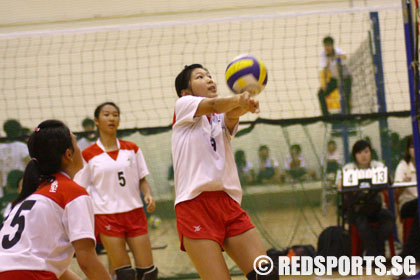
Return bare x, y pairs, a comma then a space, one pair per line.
19, 220
121, 178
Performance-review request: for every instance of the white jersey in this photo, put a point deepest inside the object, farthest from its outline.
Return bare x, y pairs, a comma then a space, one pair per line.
38, 232
12, 156
202, 153
113, 178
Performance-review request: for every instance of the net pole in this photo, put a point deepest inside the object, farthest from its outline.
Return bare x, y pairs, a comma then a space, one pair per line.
344, 111
414, 94
380, 92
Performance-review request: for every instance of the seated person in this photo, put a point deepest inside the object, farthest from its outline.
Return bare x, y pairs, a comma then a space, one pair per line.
244, 166
12, 190
407, 200
89, 137
363, 208
13, 153
295, 165
268, 168
333, 160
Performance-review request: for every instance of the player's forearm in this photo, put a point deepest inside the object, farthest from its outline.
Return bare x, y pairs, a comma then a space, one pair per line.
88, 261
145, 187
218, 105
92, 267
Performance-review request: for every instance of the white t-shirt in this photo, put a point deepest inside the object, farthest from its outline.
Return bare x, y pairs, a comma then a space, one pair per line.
49, 220
268, 162
202, 153
288, 161
113, 178
247, 167
406, 170
333, 64
12, 156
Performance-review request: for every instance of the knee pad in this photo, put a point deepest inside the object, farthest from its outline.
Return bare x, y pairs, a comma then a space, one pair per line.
150, 273
125, 273
274, 275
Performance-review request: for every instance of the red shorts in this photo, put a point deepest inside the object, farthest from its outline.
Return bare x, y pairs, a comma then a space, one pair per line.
211, 215
126, 224
27, 275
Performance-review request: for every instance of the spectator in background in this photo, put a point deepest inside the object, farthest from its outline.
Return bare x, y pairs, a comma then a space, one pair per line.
25, 134
295, 165
89, 137
11, 191
268, 168
13, 153
363, 208
407, 200
330, 76
244, 166
333, 158
373, 150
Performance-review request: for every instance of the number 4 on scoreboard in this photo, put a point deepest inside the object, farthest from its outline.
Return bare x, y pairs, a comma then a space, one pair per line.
350, 178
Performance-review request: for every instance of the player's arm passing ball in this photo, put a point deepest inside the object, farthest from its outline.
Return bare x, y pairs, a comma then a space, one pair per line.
246, 104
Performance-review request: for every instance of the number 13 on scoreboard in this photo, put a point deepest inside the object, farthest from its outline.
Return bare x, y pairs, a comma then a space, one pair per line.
380, 176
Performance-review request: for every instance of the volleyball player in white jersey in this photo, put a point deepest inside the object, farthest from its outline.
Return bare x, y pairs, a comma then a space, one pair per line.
115, 171
207, 187
53, 216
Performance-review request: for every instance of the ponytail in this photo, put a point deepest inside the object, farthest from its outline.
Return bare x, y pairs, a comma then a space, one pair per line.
46, 145
31, 181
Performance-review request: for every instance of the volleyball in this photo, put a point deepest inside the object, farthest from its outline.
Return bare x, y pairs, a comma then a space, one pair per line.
154, 221
246, 73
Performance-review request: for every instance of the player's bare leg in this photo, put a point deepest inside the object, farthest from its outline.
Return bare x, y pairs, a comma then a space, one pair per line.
115, 247
142, 250
207, 258
244, 249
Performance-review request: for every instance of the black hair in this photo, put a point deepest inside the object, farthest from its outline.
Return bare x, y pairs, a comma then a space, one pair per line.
263, 147
87, 122
47, 144
359, 146
100, 106
332, 142
296, 147
410, 143
182, 81
239, 155
12, 128
328, 40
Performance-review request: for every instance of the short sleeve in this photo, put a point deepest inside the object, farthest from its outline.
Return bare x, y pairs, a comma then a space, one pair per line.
185, 108
339, 51
400, 172
23, 150
141, 163
83, 176
78, 219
